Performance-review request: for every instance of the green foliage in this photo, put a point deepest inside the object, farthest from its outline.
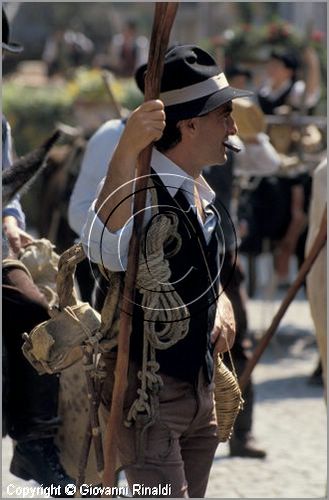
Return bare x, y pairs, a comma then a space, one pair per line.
246, 42
88, 85
280, 33
242, 43
34, 111
131, 95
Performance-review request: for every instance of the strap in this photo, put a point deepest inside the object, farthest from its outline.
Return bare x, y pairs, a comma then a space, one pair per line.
65, 276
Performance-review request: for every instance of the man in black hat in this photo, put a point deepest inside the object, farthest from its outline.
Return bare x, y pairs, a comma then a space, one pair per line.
29, 400
282, 86
190, 124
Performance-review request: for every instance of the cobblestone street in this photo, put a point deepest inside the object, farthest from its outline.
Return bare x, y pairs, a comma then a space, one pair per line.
289, 419
290, 423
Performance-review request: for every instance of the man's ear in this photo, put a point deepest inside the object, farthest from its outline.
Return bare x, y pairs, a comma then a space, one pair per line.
187, 127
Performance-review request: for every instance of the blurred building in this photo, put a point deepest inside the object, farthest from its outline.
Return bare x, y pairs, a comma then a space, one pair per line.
304, 14
33, 22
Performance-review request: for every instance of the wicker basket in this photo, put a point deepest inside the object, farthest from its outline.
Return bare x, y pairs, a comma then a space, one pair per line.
228, 399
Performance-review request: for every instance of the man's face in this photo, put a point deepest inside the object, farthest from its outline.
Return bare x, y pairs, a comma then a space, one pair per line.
277, 71
239, 81
214, 130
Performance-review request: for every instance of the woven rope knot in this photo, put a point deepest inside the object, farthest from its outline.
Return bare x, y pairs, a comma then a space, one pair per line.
165, 314
154, 271
140, 405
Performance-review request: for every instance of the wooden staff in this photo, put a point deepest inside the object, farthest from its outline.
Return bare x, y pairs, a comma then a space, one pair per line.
317, 246
106, 76
163, 19
93, 398
84, 456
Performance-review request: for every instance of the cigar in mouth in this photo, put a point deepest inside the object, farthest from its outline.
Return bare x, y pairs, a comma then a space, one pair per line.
232, 147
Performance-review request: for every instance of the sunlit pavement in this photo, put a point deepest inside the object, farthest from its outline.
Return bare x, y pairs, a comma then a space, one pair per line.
289, 416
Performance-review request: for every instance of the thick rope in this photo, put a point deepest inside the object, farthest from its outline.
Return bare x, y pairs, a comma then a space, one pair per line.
165, 314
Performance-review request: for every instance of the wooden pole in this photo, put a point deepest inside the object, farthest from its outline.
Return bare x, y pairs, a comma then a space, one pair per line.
106, 76
163, 19
317, 246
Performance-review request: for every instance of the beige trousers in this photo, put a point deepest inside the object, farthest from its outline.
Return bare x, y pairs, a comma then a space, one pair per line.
179, 448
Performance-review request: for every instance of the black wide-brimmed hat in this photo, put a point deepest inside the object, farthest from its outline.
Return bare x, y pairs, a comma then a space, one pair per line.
6, 45
288, 58
192, 84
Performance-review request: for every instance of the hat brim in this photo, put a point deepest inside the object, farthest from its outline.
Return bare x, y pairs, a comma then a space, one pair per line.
15, 48
204, 105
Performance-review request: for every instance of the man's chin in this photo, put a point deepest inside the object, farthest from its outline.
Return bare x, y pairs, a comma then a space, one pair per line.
222, 160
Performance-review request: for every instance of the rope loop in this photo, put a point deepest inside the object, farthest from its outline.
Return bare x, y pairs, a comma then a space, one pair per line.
166, 318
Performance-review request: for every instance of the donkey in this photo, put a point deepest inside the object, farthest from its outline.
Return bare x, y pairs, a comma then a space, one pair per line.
24, 171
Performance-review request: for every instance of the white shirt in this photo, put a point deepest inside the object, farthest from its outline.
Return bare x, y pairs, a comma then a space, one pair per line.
296, 95
94, 166
111, 249
256, 159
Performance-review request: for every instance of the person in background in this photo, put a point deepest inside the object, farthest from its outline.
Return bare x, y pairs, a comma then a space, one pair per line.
94, 166
283, 92
128, 50
317, 277
282, 86
66, 49
241, 76
29, 400
258, 157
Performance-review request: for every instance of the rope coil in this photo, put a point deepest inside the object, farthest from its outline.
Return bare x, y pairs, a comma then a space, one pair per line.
165, 314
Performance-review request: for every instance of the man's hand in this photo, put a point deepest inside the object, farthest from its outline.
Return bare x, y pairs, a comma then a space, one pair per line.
144, 125
223, 334
17, 238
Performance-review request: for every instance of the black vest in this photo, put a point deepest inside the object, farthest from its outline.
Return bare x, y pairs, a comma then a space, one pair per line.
268, 105
198, 263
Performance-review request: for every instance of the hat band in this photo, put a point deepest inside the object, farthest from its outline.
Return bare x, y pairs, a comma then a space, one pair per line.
195, 91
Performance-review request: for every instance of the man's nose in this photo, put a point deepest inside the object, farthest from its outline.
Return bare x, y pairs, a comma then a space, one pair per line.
233, 129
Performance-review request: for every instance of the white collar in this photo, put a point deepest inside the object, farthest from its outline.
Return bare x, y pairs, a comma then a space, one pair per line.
174, 178
272, 94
